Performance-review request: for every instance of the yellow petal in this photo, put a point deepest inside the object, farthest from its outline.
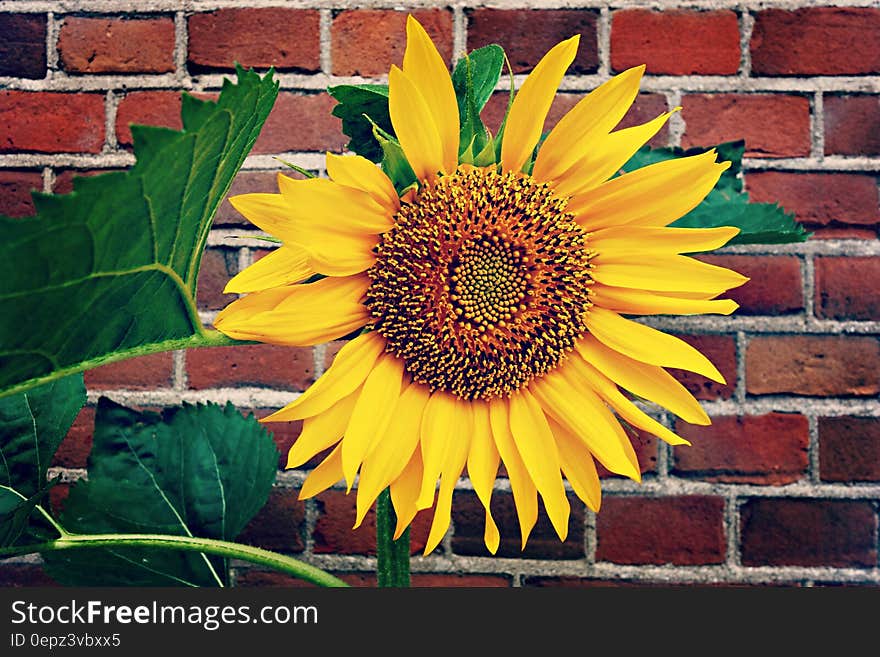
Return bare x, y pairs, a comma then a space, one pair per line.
286, 265
577, 465
324, 476
389, 457
535, 444
350, 368
578, 409
405, 491
268, 212
655, 195
525, 494
321, 431
664, 273
605, 157
453, 463
324, 206
647, 381
372, 413
426, 68
624, 407
625, 240
298, 315
438, 433
648, 345
587, 123
482, 466
628, 301
358, 172
531, 104
413, 125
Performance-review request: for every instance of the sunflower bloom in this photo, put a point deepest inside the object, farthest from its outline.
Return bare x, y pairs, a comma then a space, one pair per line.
490, 303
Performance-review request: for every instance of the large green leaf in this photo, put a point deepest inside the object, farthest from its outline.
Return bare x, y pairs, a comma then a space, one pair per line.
727, 204
112, 267
201, 470
474, 79
32, 426
360, 106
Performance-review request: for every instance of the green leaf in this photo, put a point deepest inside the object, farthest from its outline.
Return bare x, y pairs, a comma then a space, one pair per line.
201, 470
112, 267
355, 103
474, 80
727, 204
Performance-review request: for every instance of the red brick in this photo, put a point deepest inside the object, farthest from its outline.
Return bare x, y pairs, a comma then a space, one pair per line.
15, 575
279, 524
117, 45
23, 47
721, 350
74, 449
468, 517
254, 577
331, 350
852, 125
527, 34
816, 41
64, 178
15, 191
284, 434
333, 532
774, 287
218, 266
677, 42
684, 531
368, 41
807, 532
819, 199
819, 366
748, 449
51, 122
846, 287
160, 108
773, 125
287, 39
438, 580
246, 182
849, 449
645, 446
301, 122
142, 373
265, 365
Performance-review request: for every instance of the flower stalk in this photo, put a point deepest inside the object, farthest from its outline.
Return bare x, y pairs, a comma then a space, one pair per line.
392, 569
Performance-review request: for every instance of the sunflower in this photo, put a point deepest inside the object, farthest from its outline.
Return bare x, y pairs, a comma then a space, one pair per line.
488, 303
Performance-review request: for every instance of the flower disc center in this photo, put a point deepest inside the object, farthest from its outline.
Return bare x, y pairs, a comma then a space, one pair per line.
482, 283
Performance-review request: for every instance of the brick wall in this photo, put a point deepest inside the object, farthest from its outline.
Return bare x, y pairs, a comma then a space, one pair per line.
782, 488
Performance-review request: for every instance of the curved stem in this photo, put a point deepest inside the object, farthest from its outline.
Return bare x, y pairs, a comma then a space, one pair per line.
247, 553
392, 568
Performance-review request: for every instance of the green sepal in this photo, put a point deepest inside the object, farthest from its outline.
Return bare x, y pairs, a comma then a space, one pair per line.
474, 79
394, 162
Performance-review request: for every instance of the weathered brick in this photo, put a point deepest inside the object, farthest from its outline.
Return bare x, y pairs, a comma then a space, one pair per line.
721, 350
160, 108
117, 45
773, 125
676, 42
16, 186
813, 365
849, 449
331, 350
218, 266
14, 575
368, 41
287, 39
846, 287
819, 199
808, 532
468, 516
73, 452
527, 34
284, 434
570, 582
645, 446
749, 449
774, 286
685, 530
246, 182
51, 122
142, 373
301, 122
816, 41
23, 47
852, 125
264, 365
279, 525
333, 532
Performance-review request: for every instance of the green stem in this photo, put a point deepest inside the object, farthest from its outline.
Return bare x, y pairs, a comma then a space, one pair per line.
392, 569
227, 549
